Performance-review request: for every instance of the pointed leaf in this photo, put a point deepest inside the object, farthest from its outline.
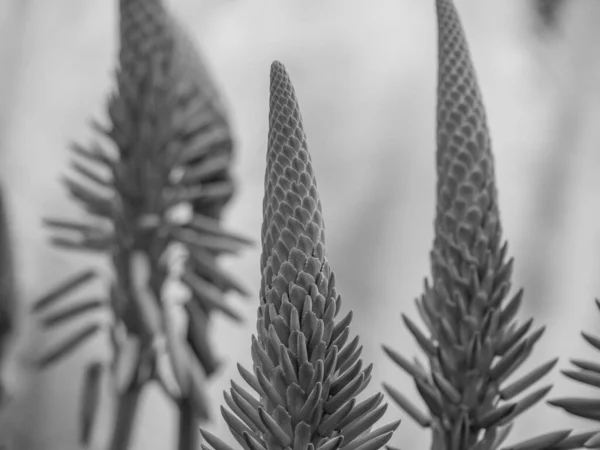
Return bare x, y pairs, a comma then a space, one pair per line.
63, 289
73, 312
418, 416
527, 381
68, 346
273, 427
426, 344
592, 340
374, 438
586, 365
209, 295
590, 378
90, 400
541, 442
214, 441
402, 362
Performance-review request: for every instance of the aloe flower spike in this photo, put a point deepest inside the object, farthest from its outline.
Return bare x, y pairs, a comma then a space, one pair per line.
473, 342
157, 197
306, 370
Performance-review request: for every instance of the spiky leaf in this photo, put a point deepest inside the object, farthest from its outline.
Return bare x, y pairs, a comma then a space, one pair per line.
67, 346
588, 372
90, 401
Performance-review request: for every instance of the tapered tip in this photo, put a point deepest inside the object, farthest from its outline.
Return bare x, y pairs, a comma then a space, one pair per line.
466, 181
461, 114
291, 207
277, 67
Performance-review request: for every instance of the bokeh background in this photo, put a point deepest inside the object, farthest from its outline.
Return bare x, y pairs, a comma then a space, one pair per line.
365, 74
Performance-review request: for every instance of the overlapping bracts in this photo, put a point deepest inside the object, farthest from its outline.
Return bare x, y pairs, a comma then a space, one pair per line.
291, 206
474, 343
306, 371
466, 190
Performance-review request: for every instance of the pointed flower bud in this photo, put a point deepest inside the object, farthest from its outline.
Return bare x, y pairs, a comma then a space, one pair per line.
306, 371
473, 342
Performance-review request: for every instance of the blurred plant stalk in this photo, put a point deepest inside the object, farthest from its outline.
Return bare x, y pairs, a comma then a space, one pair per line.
8, 300
156, 197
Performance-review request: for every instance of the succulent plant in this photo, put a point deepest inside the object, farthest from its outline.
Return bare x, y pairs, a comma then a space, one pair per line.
155, 191
306, 370
473, 344
156, 198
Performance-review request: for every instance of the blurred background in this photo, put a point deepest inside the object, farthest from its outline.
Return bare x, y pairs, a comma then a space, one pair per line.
365, 75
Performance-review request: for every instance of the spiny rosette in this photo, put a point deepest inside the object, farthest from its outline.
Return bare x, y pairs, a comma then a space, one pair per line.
475, 344
306, 370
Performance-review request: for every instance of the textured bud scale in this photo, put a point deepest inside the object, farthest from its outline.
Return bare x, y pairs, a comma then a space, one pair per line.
307, 372
474, 343
467, 209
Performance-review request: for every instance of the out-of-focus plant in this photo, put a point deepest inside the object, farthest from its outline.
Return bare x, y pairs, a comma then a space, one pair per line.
306, 370
156, 199
474, 343
8, 299
549, 12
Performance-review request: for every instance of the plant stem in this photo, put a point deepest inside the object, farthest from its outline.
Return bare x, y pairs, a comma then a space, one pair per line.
188, 426
127, 406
